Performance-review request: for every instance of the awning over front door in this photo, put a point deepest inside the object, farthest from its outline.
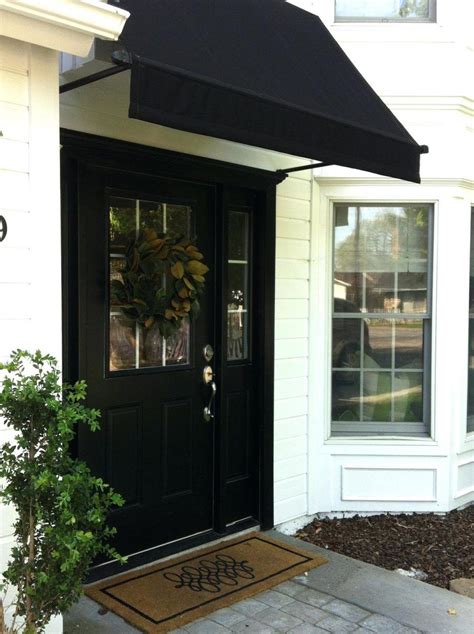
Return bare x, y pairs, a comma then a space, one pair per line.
264, 73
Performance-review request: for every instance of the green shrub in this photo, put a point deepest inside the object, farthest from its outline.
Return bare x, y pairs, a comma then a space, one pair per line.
61, 508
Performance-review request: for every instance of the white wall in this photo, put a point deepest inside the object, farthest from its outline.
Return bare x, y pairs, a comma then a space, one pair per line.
424, 74
30, 273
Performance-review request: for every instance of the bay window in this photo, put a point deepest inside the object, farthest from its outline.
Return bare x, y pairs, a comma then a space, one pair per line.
381, 319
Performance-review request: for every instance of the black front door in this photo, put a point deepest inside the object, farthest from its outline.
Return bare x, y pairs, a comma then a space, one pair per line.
154, 446
182, 473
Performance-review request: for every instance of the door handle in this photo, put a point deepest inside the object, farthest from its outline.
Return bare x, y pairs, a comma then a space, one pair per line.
208, 415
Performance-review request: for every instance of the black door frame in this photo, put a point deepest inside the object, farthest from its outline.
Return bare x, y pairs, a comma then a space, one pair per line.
84, 149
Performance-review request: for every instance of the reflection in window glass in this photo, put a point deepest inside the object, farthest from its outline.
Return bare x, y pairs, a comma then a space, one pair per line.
385, 10
381, 318
238, 286
132, 346
470, 390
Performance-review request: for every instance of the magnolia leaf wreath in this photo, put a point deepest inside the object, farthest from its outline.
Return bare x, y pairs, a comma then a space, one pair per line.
161, 281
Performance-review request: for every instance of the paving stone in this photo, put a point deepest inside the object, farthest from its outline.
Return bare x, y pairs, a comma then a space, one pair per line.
227, 617
313, 597
275, 599
290, 588
346, 610
384, 625
337, 625
308, 613
253, 626
307, 628
205, 626
83, 617
250, 607
277, 619
463, 586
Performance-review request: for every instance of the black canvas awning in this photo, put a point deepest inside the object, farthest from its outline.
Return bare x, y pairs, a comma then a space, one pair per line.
264, 73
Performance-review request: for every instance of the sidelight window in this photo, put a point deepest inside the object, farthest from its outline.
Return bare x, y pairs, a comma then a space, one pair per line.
238, 284
381, 319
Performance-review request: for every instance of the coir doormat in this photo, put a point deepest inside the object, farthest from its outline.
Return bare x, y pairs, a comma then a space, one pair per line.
165, 596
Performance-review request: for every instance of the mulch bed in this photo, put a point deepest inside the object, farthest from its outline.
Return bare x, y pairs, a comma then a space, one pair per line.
442, 546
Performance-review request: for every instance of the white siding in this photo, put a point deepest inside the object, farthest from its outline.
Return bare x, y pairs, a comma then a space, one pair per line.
291, 347
30, 257
424, 74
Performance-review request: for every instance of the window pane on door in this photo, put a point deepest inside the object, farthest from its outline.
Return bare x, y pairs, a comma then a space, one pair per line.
238, 286
135, 345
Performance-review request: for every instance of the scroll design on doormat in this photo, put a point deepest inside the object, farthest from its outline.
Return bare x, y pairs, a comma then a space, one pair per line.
210, 576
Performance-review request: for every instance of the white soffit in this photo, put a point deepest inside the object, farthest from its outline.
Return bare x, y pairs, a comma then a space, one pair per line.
69, 26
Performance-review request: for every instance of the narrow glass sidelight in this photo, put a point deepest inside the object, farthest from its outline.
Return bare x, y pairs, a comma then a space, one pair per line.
134, 345
238, 269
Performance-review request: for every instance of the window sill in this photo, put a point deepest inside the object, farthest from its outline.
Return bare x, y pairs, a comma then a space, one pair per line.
419, 32
380, 441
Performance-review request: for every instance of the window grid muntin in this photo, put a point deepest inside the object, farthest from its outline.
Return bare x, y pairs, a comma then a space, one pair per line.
361, 427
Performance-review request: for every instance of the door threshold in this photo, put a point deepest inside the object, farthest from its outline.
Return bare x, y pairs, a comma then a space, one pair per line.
170, 549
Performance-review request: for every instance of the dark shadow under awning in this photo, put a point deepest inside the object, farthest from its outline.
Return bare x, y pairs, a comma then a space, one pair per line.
264, 73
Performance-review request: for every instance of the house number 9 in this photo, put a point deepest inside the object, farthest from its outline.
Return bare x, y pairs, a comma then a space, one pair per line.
3, 228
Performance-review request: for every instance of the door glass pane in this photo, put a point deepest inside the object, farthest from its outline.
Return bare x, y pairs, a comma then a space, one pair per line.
238, 286
136, 343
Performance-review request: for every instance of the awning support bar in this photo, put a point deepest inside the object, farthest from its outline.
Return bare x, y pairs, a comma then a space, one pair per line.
101, 74
303, 167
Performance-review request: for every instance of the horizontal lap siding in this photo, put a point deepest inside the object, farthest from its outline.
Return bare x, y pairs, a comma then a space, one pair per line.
30, 261
15, 254
291, 346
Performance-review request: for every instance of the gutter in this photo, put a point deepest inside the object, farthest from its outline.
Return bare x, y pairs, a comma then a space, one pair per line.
69, 26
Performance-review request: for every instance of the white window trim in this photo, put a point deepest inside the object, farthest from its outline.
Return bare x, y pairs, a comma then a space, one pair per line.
425, 426
321, 322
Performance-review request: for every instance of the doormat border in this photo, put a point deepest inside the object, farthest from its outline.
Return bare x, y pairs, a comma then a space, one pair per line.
100, 591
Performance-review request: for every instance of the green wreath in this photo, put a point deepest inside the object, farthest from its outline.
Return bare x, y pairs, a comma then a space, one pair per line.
161, 281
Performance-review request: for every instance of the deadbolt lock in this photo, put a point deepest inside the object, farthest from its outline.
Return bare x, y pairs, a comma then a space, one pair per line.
207, 374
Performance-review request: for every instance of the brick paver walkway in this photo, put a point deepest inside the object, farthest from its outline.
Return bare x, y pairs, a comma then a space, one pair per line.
344, 595
293, 607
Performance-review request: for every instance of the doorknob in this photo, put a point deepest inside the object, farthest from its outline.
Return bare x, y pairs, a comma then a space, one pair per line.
208, 415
